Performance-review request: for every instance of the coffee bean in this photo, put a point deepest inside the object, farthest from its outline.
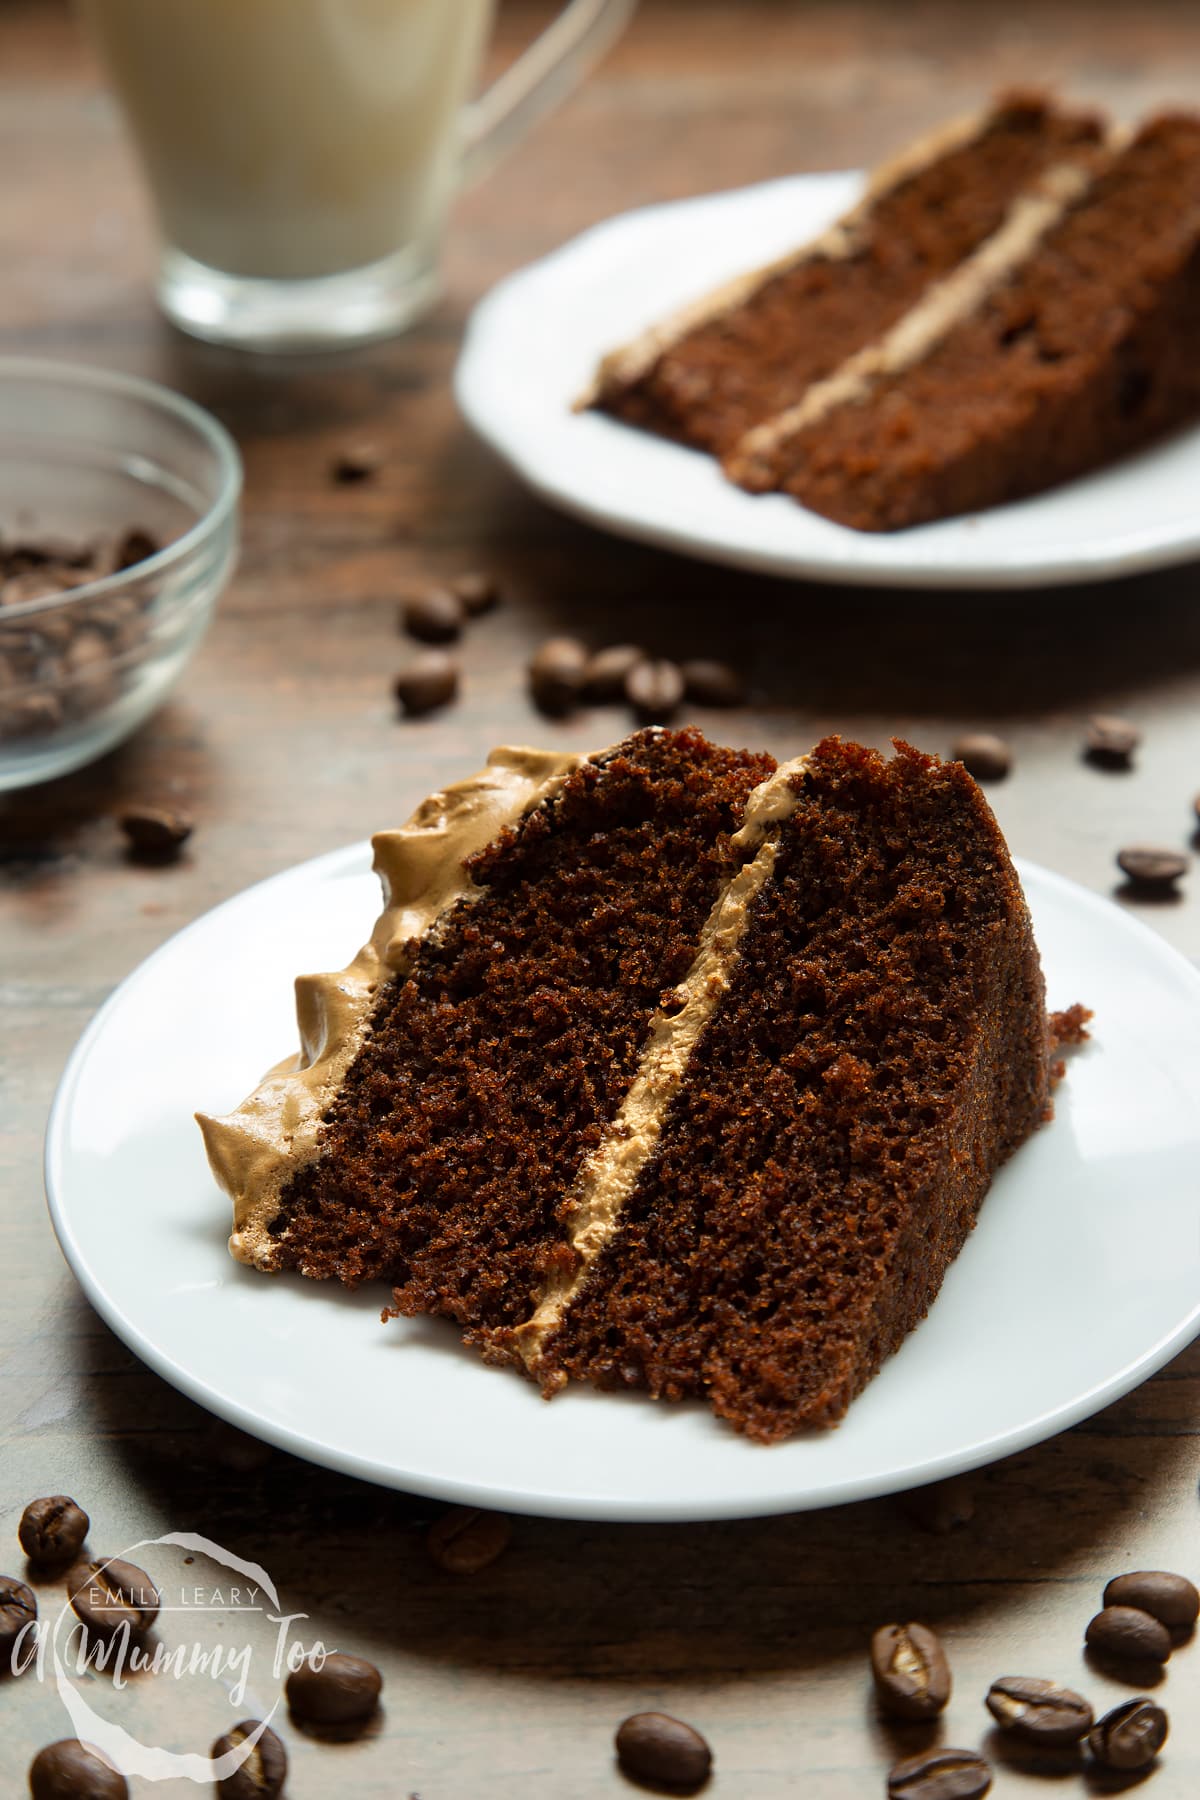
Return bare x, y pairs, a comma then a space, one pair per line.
465, 1540
107, 1595
478, 592
940, 1775
985, 757
912, 1676
262, 1775
157, 832
70, 1770
135, 547
1130, 1736
712, 683
18, 1608
357, 462
556, 675
658, 1750
120, 621
90, 678
32, 715
607, 671
1172, 1599
1110, 742
345, 1690
941, 1506
436, 616
1128, 1634
1149, 866
654, 690
1040, 1711
429, 681
52, 1530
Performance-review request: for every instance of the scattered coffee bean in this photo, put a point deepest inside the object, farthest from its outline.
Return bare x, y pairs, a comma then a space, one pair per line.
70, 1770
357, 462
940, 1775
465, 1540
18, 1608
1130, 1736
135, 547
345, 1690
429, 681
1171, 1599
654, 690
985, 757
262, 1775
107, 1595
436, 616
556, 675
478, 592
654, 1748
52, 1531
607, 671
157, 832
1149, 866
712, 683
941, 1506
1127, 1634
1039, 1711
1110, 742
911, 1674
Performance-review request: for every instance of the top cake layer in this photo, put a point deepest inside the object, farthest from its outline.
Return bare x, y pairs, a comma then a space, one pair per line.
751, 349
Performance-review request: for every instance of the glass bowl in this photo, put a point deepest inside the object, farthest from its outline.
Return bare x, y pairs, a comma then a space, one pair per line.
89, 457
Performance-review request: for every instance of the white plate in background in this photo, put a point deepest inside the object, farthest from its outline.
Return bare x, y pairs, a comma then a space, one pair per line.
533, 344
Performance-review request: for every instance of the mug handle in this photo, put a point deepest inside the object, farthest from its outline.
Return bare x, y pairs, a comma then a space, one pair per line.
539, 79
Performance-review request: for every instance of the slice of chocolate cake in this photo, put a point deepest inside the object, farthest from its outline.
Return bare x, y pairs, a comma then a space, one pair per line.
752, 349
1067, 341
664, 1068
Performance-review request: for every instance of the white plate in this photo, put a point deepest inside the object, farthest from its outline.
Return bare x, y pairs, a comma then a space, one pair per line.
534, 342
1082, 1277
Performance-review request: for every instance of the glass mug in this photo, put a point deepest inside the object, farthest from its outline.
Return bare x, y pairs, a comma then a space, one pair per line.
303, 154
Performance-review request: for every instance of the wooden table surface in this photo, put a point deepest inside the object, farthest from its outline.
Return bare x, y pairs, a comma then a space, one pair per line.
282, 742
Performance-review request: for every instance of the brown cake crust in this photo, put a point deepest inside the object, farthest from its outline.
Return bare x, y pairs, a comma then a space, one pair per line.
751, 362
495, 1065
1085, 352
882, 1050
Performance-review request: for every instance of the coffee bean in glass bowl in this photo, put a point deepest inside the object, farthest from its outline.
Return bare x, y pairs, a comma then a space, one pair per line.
71, 1770
467, 1539
263, 1772
1130, 1736
662, 1752
1127, 1634
910, 1671
1171, 1599
52, 1530
336, 1690
108, 1594
1039, 1711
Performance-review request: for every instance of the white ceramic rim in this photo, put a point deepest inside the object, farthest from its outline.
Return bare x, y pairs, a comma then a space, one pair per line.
546, 1503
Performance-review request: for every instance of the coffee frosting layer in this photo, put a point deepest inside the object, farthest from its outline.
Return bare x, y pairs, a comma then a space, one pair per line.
257, 1148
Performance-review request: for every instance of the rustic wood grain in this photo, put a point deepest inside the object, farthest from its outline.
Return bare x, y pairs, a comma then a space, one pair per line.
283, 743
